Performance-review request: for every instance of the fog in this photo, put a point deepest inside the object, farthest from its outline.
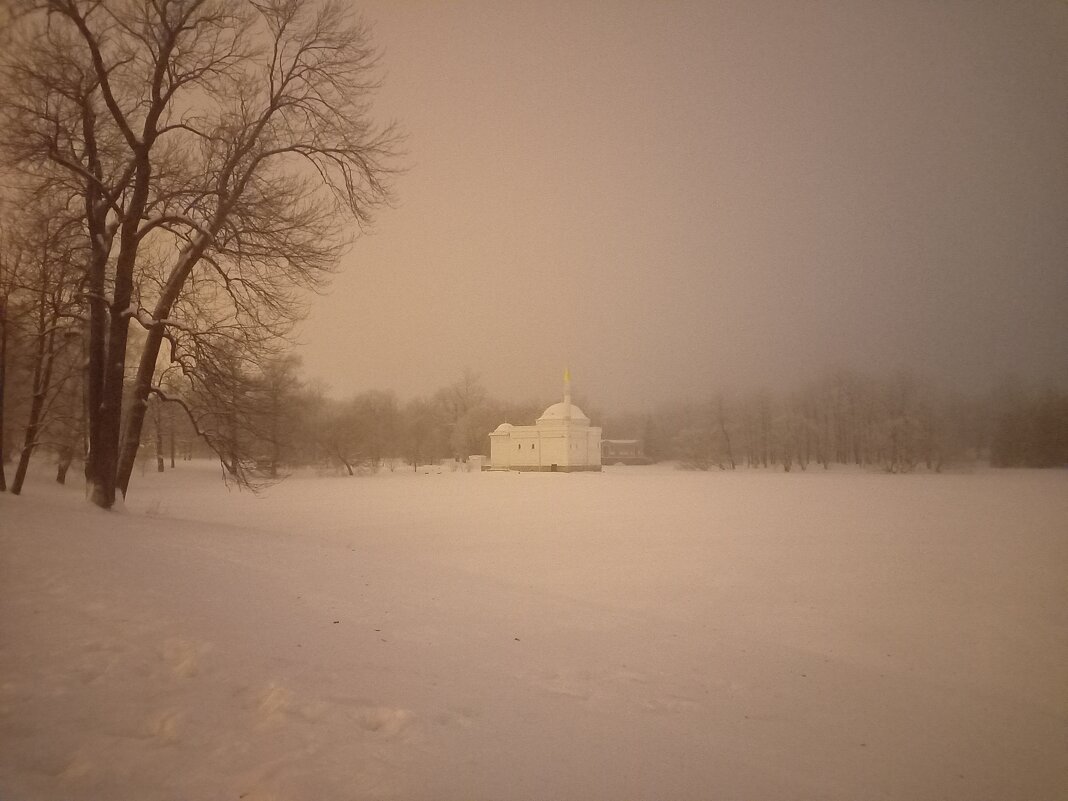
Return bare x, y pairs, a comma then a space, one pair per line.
673, 198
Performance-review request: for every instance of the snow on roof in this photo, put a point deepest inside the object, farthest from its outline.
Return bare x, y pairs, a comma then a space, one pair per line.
559, 411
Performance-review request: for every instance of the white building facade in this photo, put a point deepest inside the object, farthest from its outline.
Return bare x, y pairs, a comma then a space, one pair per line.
562, 440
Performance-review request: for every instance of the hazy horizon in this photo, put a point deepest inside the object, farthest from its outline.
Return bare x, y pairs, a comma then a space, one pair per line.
678, 197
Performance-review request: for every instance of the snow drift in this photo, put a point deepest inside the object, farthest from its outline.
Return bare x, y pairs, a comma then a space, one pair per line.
636, 634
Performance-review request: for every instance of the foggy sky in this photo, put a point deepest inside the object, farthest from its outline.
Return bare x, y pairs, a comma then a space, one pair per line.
678, 197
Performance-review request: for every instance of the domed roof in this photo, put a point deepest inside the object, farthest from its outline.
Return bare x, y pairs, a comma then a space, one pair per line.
504, 427
559, 411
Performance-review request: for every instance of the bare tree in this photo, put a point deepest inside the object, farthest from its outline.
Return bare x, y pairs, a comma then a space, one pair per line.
463, 406
12, 261
216, 144
42, 250
377, 414
423, 440
277, 390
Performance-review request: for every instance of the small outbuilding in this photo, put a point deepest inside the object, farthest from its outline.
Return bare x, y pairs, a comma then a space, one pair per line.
623, 451
562, 440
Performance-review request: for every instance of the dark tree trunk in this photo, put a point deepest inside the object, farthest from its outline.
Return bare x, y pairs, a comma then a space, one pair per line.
131, 437
66, 456
42, 378
109, 414
3, 379
29, 442
94, 368
111, 474
146, 368
157, 418
96, 356
726, 438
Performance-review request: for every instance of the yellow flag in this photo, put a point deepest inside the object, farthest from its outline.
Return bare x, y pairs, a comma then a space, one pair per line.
567, 374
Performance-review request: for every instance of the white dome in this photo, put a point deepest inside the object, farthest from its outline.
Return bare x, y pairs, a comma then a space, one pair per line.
559, 411
503, 427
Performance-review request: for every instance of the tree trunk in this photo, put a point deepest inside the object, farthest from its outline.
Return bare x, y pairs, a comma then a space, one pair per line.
108, 476
131, 436
96, 356
66, 456
94, 368
42, 378
157, 418
276, 451
727, 440
146, 368
109, 414
28, 444
3, 378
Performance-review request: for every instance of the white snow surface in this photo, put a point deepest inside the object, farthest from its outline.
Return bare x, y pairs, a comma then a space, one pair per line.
642, 633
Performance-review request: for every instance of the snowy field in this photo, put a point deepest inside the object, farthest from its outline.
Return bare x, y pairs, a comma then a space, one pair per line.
642, 634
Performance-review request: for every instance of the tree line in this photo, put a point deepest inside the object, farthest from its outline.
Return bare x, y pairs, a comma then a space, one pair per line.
898, 423
265, 419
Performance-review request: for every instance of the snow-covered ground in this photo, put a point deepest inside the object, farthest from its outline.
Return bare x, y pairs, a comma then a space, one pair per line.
643, 633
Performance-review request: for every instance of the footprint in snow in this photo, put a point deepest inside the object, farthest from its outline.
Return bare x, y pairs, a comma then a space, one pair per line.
184, 656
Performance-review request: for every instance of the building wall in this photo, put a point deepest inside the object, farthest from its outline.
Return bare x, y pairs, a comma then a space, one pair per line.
499, 451
525, 447
593, 447
542, 446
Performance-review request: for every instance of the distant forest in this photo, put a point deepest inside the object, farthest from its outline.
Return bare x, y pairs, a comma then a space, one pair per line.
896, 423
266, 420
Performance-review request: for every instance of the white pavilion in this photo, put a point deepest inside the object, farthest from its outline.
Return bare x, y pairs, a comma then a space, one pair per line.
562, 440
